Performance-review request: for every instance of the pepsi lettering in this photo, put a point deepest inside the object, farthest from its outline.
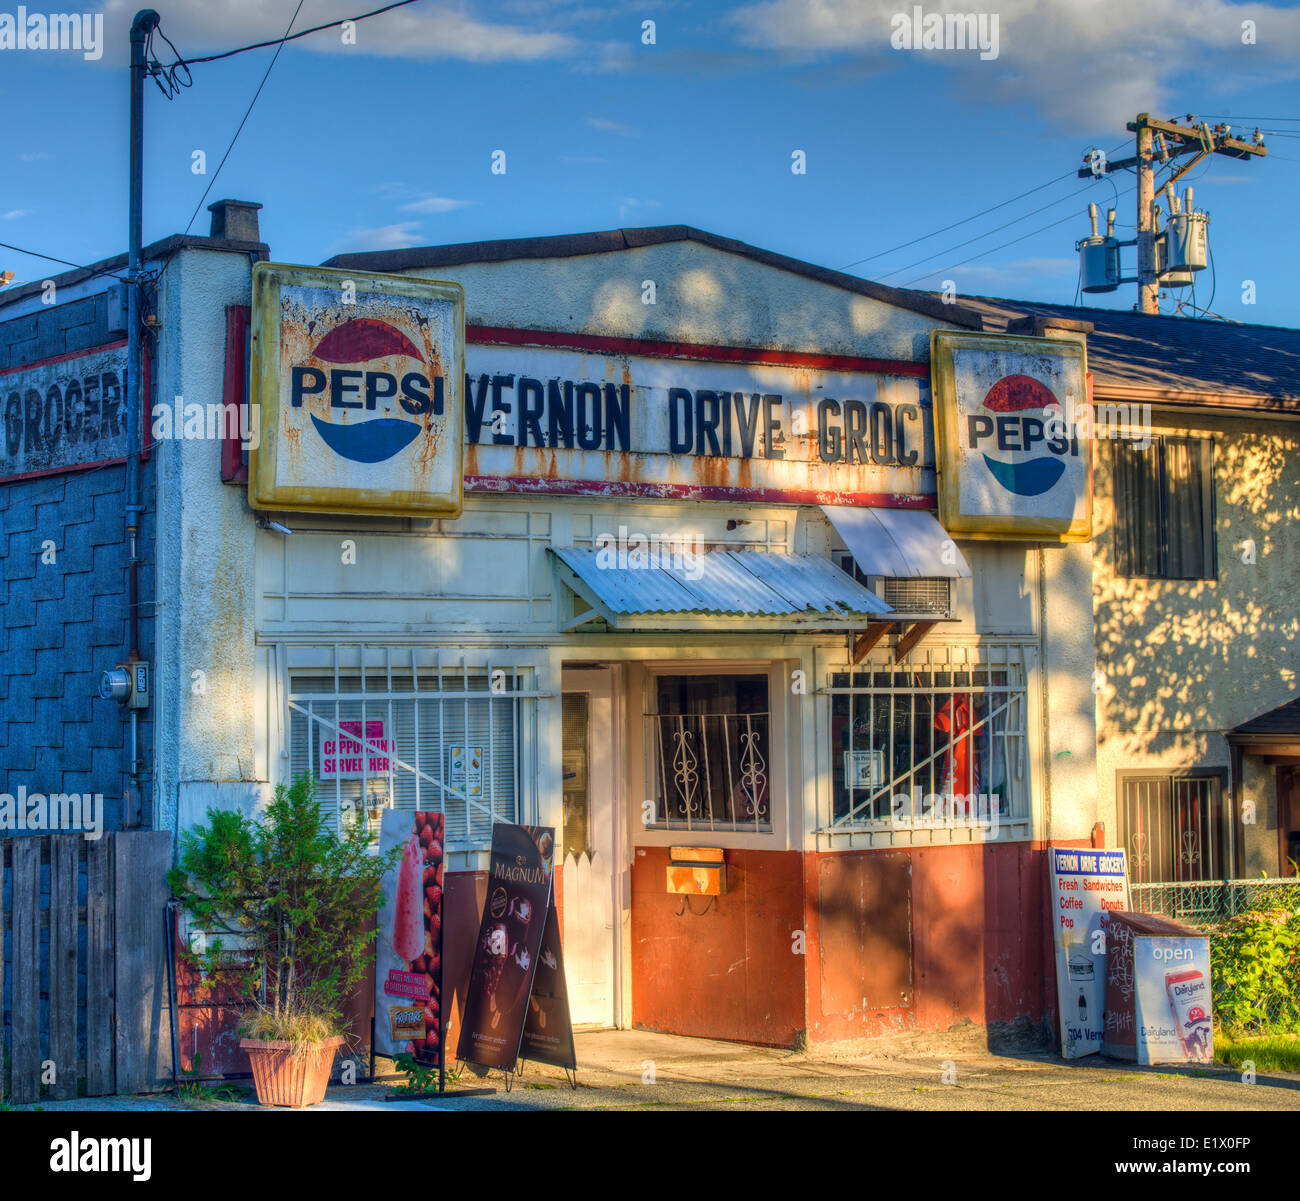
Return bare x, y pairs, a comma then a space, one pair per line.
352, 389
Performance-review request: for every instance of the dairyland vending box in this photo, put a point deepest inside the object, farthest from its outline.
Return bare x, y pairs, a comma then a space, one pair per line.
1158, 1006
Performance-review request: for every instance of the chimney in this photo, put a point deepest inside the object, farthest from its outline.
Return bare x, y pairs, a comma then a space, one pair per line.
235, 220
1041, 326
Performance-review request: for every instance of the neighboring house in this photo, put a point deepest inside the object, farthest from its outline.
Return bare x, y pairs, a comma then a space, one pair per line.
1196, 589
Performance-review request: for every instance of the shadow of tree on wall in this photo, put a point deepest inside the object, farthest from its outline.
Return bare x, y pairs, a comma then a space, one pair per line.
1192, 656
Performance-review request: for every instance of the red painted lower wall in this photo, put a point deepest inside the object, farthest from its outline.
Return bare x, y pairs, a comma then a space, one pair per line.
915, 939
720, 967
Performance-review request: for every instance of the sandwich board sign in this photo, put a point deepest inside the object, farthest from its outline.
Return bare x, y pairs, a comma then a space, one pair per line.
1088, 886
1013, 434
359, 382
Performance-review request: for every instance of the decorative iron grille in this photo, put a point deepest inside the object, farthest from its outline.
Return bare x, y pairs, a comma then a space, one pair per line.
710, 771
1173, 829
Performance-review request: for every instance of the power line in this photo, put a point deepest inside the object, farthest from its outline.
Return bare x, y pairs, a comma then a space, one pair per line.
247, 113
49, 258
212, 58
967, 220
955, 224
990, 232
995, 249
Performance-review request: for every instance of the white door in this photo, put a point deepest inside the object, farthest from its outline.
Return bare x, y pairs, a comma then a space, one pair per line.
589, 840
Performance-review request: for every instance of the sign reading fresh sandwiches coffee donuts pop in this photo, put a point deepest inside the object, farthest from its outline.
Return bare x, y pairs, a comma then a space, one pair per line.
516, 914
408, 955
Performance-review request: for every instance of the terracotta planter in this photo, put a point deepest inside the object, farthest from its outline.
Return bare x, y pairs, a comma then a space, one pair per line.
285, 1079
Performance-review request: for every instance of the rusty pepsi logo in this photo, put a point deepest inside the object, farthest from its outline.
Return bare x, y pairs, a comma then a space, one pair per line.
1022, 420
368, 374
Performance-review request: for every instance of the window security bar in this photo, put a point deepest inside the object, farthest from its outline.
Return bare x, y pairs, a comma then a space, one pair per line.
711, 771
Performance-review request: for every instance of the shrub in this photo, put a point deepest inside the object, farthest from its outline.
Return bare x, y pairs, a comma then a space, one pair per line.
297, 902
1255, 967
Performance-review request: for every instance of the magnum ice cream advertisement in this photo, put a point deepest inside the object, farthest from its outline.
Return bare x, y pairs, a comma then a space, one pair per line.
408, 960
548, 1032
510, 940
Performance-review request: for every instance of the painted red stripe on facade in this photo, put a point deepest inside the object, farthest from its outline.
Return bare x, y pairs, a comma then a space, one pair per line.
618, 488
493, 335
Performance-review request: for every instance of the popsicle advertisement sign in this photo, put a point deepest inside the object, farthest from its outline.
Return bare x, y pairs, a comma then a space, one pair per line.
408, 958
518, 932
1087, 886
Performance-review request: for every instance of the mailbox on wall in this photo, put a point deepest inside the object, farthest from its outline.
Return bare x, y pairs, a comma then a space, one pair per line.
697, 871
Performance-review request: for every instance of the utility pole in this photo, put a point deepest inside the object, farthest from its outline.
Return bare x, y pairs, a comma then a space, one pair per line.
1148, 280
1166, 141
146, 20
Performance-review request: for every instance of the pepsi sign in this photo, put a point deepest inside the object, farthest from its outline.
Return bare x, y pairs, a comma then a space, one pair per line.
359, 379
1013, 451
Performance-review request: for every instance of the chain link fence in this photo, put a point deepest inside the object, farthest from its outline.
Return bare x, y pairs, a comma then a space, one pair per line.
1208, 903
1254, 928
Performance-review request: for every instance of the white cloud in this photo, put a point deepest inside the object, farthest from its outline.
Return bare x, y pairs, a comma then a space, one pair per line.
628, 204
384, 237
427, 203
1084, 65
33, 156
15, 214
605, 125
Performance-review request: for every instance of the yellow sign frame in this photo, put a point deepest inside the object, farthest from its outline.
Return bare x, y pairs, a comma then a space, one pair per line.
265, 492
1010, 527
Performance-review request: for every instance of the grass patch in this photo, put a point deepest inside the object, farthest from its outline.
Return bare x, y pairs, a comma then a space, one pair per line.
1269, 1052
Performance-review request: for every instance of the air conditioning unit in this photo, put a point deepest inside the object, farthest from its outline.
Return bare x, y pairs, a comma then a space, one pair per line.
929, 595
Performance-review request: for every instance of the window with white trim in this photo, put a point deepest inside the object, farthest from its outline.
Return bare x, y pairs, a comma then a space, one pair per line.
930, 745
708, 753
412, 735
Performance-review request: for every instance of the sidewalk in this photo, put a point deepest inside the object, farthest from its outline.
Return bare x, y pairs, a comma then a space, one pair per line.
639, 1070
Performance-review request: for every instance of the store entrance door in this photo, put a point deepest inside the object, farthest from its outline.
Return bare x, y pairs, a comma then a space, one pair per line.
591, 919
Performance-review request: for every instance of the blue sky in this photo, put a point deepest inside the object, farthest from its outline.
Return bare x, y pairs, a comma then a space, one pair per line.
389, 142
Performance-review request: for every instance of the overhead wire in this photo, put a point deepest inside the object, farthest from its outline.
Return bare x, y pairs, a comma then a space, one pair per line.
212, 58
995, 249
966, 220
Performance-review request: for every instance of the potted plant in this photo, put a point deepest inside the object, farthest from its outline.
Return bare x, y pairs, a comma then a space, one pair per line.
290, 907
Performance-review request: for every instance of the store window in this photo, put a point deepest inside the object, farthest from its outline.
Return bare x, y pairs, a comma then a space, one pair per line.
931, 745
708, 748
432, 739
1164, 509
1173, 828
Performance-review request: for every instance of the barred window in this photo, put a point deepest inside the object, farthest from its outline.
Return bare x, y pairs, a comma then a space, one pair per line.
708, 752
1173, 828
936, 743
415, 737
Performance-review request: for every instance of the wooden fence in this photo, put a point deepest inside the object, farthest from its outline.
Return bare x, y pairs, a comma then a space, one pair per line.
83, 965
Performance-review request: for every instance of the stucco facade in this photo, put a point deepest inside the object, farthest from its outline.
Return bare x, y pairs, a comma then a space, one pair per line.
1183, 662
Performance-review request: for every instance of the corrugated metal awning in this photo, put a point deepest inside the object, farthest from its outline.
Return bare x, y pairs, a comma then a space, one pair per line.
900, 543
662, 591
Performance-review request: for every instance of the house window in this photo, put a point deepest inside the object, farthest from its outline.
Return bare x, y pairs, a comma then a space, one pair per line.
1173, 828
438, 739
935, 744
1164, 509
708, 749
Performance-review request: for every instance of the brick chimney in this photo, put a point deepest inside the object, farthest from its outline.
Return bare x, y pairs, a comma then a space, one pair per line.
235, 220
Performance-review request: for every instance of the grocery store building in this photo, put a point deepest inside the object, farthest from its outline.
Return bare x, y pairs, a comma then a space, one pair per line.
697, 607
